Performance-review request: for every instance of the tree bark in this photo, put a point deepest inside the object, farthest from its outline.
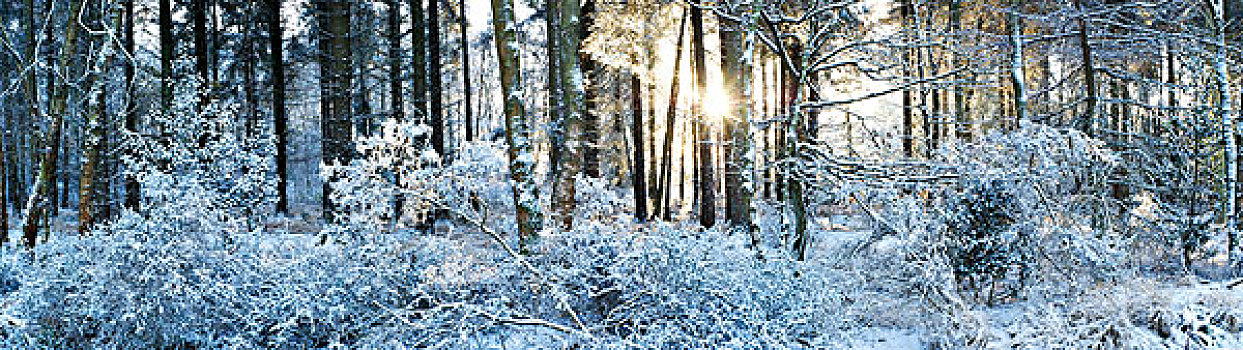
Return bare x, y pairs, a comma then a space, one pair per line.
95, 137
202, 60
167, 49
517, 125
1017, 77
133, 190
665, 204
435, 85
556, 132
908, 109
705, 183
573, 90
280, 122
1084, 123
468, 118
587, 71
37, 204
335, 81
636, 129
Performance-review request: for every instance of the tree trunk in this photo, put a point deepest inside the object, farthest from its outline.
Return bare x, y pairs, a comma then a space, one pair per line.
1017, 78
1084, 123
963, 124
468, 118
335, 81
436, 99
590, 138
739, 183
705, 181
95, 137
666, 182
280, 122
1224, 111
636, 130
36, 205
202, 60
908, 120
517, 125
418, 79
573, 88
167, 49
132, 190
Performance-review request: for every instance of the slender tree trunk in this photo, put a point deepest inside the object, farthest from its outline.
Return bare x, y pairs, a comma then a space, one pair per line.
36, 206
418, 83
1222, 77
1017, 78
132, 190
552, 49
418, 79
587, 71
732, 75
666, 203
636, 129
335, 81
963, 124
280, 122
1084, 123
705, 181
96, 118
202, 60
468, 117
436, 110
30, 89
517, 125
908, 119
167, 49
573, 90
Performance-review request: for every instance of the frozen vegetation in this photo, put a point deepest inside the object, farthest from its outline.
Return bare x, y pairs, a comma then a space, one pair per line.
639, 174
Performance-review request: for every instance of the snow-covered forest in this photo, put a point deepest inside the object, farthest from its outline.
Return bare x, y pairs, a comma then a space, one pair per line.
511, 174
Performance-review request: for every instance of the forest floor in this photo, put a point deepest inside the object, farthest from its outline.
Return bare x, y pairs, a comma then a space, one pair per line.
862, 304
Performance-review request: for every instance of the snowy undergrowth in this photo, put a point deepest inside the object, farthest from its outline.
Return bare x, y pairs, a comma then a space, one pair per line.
196, 277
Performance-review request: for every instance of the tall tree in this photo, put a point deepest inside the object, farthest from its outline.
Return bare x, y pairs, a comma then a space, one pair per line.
202, 61
906, 9
1017, 81
132, 189
517, 125
665, 200
1221, 76
167, 49
280, 122
434, 80
468, 118
96, 117
335, 81
37, 204
636, 133
1084, 123
590, 138
736, 68
418, 64
573, 90
555, 104
705, 183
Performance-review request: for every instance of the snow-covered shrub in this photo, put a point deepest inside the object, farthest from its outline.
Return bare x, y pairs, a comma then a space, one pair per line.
201, 165
1050, 185
983, 248
395, 164
1139, 314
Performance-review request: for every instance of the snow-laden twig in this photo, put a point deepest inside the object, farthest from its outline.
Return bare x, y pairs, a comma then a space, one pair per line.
546, 278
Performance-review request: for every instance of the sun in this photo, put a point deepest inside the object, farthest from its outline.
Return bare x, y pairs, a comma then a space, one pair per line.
717, 103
